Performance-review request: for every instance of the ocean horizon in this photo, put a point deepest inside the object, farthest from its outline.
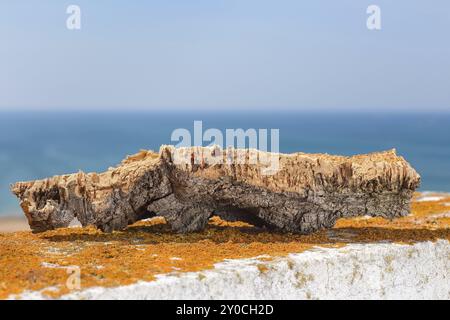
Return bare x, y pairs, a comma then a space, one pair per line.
36, 145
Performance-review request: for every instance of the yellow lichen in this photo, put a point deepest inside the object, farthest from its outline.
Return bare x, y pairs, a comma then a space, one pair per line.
40, 261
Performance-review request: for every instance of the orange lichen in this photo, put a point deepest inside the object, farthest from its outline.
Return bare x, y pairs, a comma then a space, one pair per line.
40, 261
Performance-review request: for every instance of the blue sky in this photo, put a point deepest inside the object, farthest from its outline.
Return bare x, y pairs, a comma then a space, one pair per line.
225, 55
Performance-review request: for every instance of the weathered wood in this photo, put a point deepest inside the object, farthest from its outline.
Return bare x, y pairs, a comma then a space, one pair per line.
308, 192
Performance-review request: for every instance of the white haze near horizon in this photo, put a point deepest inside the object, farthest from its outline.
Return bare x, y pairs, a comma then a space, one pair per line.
225, 54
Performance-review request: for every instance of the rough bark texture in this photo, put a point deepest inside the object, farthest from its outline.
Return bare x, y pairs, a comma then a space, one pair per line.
308, 192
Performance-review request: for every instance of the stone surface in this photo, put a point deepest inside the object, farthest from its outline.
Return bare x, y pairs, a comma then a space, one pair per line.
309, 192
357, 271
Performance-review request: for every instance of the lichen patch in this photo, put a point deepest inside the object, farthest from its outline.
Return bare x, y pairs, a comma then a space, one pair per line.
37, 262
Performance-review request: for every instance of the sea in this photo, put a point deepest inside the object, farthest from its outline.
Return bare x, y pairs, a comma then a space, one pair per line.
36, 145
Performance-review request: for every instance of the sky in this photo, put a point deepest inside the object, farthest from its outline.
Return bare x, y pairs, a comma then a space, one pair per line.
225, 55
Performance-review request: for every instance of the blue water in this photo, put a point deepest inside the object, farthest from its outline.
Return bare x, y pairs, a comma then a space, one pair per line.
37, 145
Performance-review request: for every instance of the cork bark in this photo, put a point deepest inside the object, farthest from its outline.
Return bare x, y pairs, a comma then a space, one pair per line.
307, 193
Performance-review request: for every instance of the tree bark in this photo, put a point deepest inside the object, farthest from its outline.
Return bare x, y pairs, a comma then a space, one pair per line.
307, 192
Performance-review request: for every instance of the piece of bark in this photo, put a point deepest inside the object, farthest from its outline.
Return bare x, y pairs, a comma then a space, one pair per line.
309, 192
